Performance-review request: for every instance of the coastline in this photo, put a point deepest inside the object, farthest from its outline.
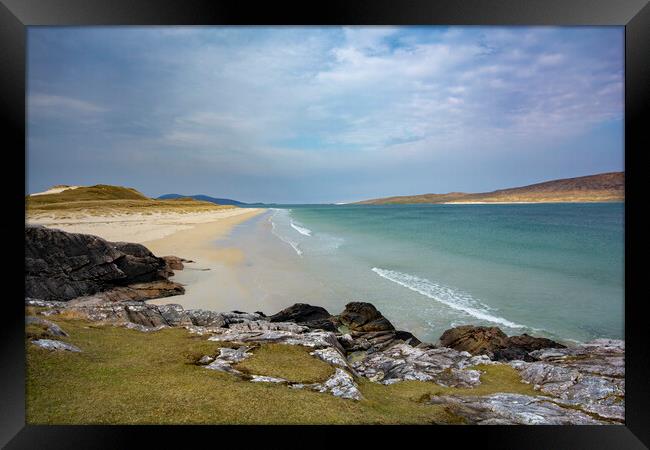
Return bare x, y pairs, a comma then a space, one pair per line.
187, 235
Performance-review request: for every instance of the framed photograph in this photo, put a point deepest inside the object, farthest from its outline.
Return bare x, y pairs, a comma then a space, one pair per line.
360, 213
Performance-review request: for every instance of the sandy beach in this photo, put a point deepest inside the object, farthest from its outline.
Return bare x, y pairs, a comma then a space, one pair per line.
187, 235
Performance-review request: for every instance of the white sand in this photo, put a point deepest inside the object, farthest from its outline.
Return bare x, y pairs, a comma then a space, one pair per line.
210, 281
55, 190
137, 227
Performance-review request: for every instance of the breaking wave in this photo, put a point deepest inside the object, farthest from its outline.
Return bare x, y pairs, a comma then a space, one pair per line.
447, 296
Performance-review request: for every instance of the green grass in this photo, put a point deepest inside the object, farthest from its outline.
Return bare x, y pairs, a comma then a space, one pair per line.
105, 199
127, 377
290, 362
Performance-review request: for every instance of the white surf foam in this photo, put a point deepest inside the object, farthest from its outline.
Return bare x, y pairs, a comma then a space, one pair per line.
447, 296
299, 229
294, 245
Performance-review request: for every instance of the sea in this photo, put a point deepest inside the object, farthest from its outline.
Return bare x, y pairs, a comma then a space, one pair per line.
553, 270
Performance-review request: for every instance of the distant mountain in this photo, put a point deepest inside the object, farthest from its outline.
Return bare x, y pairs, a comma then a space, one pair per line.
205, 198
603, 187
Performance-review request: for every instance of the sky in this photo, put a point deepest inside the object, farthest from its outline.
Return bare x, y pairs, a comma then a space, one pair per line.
322, 114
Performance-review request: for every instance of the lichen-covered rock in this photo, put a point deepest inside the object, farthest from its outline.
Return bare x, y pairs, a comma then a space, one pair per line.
226, 358
267, 332
340, 384
263, 325
513, 409
51, 328
142, 328
205, 318
361, 316
589, 376
402, 362
51, 344
266, 379
174, 315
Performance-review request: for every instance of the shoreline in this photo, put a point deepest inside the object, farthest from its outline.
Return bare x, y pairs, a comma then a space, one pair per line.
189, 236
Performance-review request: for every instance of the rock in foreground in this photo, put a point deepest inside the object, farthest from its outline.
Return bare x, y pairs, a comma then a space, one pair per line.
512, 409
61, 266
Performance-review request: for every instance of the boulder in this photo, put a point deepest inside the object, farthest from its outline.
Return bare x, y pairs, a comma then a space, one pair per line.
361, 316
473, 339
314, 317
61, 266
495, 343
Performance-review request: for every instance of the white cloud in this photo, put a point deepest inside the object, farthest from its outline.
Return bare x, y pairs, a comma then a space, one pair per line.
39, 102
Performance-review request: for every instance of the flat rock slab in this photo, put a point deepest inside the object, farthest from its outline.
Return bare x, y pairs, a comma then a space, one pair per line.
402, 362
51, 344
589, 376
513, 409
51, 328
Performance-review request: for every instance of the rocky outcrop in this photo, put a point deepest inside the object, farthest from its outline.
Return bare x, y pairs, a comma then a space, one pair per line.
361, 316
589, 376
493, 342
402, 362
310, 316
61, 266
581, 384
512, 409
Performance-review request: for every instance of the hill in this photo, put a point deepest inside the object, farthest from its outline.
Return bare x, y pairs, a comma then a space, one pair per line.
205, 198
604, 187
107, 199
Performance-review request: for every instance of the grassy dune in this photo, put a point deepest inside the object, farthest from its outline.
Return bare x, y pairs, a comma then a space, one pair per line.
105, 199
127, 377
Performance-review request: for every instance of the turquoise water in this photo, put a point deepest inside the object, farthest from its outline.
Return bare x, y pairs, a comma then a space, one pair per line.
546, 269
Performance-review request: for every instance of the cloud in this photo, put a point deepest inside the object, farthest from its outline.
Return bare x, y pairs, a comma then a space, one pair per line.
267, 100
40, 102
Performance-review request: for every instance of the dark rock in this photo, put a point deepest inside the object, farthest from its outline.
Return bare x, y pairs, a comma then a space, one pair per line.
494, 342
408, 338
361, 316
300, 312
314, 317
323, 324
530, 343
174, 262
473, 339
60, 266
512, 353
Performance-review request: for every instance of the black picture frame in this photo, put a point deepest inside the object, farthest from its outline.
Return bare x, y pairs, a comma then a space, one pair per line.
16, 15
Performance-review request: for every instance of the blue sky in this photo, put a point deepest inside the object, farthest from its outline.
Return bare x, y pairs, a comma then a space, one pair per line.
322, 114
